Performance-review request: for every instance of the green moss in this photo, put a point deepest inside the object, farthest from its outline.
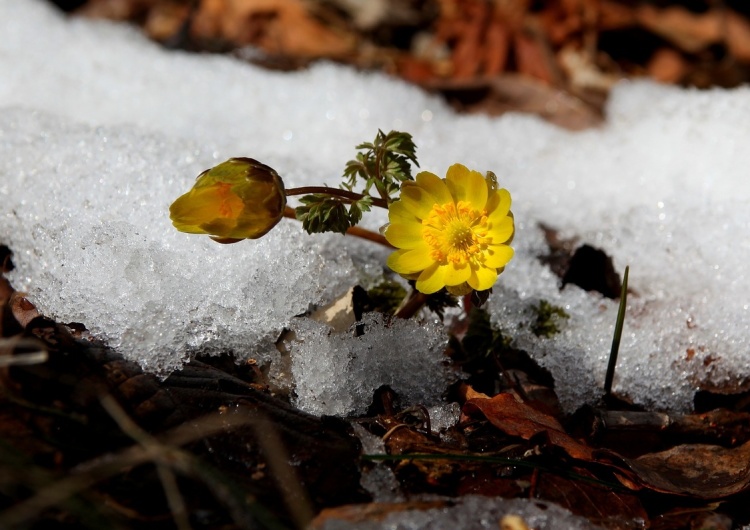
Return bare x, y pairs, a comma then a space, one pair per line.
547, 319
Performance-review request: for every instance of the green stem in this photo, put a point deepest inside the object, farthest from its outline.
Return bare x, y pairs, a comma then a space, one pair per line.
335, 192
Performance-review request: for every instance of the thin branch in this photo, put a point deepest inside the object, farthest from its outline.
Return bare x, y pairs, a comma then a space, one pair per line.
166, 476
335, 192
108, 465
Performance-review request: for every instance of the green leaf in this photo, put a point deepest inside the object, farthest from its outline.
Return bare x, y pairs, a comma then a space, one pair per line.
356, 209
614, 350
383, 163
322, 213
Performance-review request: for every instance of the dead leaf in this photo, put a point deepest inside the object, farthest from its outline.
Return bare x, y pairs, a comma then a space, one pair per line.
534, 57
703, 471
278, 27
519, 419
738, 36
22, 309
600, 505
689, 31
517, 93
667, 66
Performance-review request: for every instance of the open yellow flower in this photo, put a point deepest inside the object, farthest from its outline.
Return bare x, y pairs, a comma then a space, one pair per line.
453, 232
238, 199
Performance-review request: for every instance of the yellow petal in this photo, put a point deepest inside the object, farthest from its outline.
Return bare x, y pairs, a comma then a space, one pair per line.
476, 190
397, 212
203, 206
455, 275
431, 280
435, 186
482, 278
454, 178
502, 231
417, 200
409, 261
404, 234
467, 185
497, 256
498, 204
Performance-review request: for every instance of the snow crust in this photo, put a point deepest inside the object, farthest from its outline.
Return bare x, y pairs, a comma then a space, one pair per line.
101, 130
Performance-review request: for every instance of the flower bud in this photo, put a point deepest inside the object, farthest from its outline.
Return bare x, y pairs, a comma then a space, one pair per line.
238, 199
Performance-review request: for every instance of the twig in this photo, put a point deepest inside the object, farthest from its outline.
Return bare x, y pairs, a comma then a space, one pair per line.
166, 476
89, 473
286, 477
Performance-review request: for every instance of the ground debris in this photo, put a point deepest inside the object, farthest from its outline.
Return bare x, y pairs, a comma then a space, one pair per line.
556, 59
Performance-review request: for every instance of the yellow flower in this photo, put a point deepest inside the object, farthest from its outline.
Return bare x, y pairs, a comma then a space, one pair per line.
238, 199
452, 232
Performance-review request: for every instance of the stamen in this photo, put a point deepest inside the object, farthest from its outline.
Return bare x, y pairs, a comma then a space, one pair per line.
456, 232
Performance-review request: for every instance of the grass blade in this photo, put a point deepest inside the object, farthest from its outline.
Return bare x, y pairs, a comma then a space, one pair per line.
618, 334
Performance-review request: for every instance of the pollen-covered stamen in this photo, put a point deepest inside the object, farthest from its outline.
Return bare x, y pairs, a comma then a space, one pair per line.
456, 233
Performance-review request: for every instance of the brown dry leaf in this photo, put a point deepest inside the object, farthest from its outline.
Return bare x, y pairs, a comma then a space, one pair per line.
279, 27
166, 20
519, 419
22, 309
614, 15
534, 58
600, 505
738, 36
479, 40
518, 93
667, 66
703, 471
689, 31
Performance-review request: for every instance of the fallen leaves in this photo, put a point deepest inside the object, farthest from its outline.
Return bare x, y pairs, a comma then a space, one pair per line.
479, 53
699, 470
705, 471
278, 27
514, 418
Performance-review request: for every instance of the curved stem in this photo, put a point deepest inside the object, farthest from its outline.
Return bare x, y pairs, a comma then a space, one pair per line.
411, 304
356, 231
336, 192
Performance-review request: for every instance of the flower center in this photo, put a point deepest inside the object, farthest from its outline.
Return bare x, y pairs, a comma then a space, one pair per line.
456, 233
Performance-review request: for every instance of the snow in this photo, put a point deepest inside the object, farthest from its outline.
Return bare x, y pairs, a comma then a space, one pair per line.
470, 512
101, 130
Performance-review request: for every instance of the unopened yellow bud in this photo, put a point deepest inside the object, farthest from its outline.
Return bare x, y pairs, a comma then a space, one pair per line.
238, 199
